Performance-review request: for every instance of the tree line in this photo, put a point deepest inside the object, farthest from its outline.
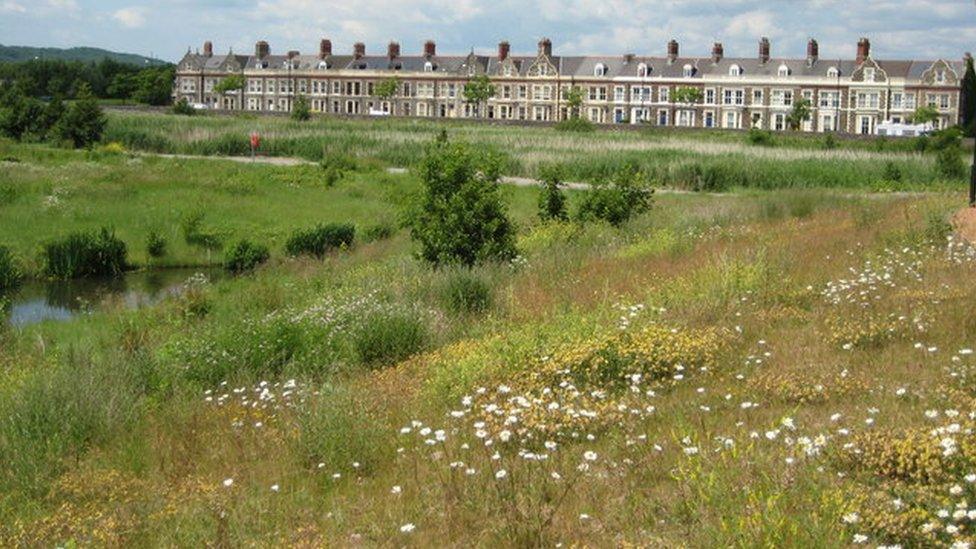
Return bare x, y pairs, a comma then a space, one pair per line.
105, 79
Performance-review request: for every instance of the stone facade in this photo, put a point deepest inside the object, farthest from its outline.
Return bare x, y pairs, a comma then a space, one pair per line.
850, 96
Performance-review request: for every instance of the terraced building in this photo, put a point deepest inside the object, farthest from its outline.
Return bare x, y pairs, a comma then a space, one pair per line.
845, 95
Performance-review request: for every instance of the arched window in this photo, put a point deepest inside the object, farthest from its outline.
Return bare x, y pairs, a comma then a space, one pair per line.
600, 70
428, 67
832, 72
783, 70
689, 71
642, 70
735, 70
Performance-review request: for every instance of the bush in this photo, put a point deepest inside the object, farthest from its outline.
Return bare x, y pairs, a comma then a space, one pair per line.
465, 292
245, 256
85, 254
762, 138
183, 107
300, 111
829, 142
195, 235
459, 217
155, 244
388, 337
9, 272
892, 172
575, 124
949, 163
335, 166
320, 239
626, 196
552, 202
379, 231
83, 122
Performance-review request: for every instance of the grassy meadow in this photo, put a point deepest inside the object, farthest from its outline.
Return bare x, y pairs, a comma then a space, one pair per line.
782, 368
711, 161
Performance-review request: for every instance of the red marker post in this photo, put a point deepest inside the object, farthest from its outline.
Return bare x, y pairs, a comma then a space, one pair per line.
255, 143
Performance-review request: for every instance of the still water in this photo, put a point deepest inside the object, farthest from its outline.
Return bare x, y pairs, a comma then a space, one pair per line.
62, 300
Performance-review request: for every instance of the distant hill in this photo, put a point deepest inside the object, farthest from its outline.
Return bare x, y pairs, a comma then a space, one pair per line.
26, 53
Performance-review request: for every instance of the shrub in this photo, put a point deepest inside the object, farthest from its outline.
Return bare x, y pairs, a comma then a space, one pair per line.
320, 239
829, 142
85, 254
300, 111
949, 163
335, 166
83, 122
575, 124
155, 244
552, 202
9, 272
379, 231
388, 337
245, 256
183, 107
762, 138
459, 217
892, 172
465, 292
626, 196
195, 235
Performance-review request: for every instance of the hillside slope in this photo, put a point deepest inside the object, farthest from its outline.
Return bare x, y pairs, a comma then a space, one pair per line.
26, 53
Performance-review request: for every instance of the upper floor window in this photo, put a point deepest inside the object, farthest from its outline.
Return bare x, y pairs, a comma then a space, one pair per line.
783, 70
688, 71
940, 77
735, 70
642, 70
600, 70
869, 74
832, 72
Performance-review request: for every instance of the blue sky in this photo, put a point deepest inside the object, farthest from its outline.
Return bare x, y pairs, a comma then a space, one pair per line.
897, 29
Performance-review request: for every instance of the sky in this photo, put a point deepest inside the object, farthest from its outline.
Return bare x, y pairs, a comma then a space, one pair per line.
898, 29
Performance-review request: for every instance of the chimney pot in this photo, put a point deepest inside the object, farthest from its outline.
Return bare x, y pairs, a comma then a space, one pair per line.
208, 48
503, 49
430, 48
358, 50
325, 48
672, 50
863, 50
764, 50
393, 50
718, 52
545, 47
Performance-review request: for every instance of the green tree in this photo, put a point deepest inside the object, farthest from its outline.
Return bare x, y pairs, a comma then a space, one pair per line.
574, 101
300, 110
123, 85
478, 91
84, 121
799, 114
552, 202
969, 99
230, 83
688, 95
155, 86
625, 196
183, 107
925, 115
459, 216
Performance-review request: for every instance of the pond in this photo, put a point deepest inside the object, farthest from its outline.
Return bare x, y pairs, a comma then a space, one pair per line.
61, 300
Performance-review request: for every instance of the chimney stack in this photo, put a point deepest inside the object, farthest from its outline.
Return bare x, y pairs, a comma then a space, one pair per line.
430, 48
293, 54
503, 49
393, 50
628, 58
672, 50
545, 47
358, 50
764, 50
262, 49
813, 51
863, 50
208, 48
325, 48
718, 52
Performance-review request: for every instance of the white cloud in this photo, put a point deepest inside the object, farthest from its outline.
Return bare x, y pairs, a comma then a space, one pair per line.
11, 7
132, 18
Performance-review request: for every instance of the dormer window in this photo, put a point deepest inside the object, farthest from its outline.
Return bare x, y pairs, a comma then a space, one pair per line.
832, 72
783, 70
940, 77
869, 74
688, 71
600, 70
323, 65
428, 67
509, 71
735, 70
642, 70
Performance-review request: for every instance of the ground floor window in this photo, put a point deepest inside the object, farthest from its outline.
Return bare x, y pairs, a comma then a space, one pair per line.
662, 117
828, 123
686, 118
865, 125
732, 120
779, 121
709, 119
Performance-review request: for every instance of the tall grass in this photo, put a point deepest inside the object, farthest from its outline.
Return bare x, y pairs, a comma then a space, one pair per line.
320, 239
85, 255
9, 271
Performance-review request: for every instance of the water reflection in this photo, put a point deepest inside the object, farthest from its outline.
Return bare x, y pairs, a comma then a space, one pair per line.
36, 302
